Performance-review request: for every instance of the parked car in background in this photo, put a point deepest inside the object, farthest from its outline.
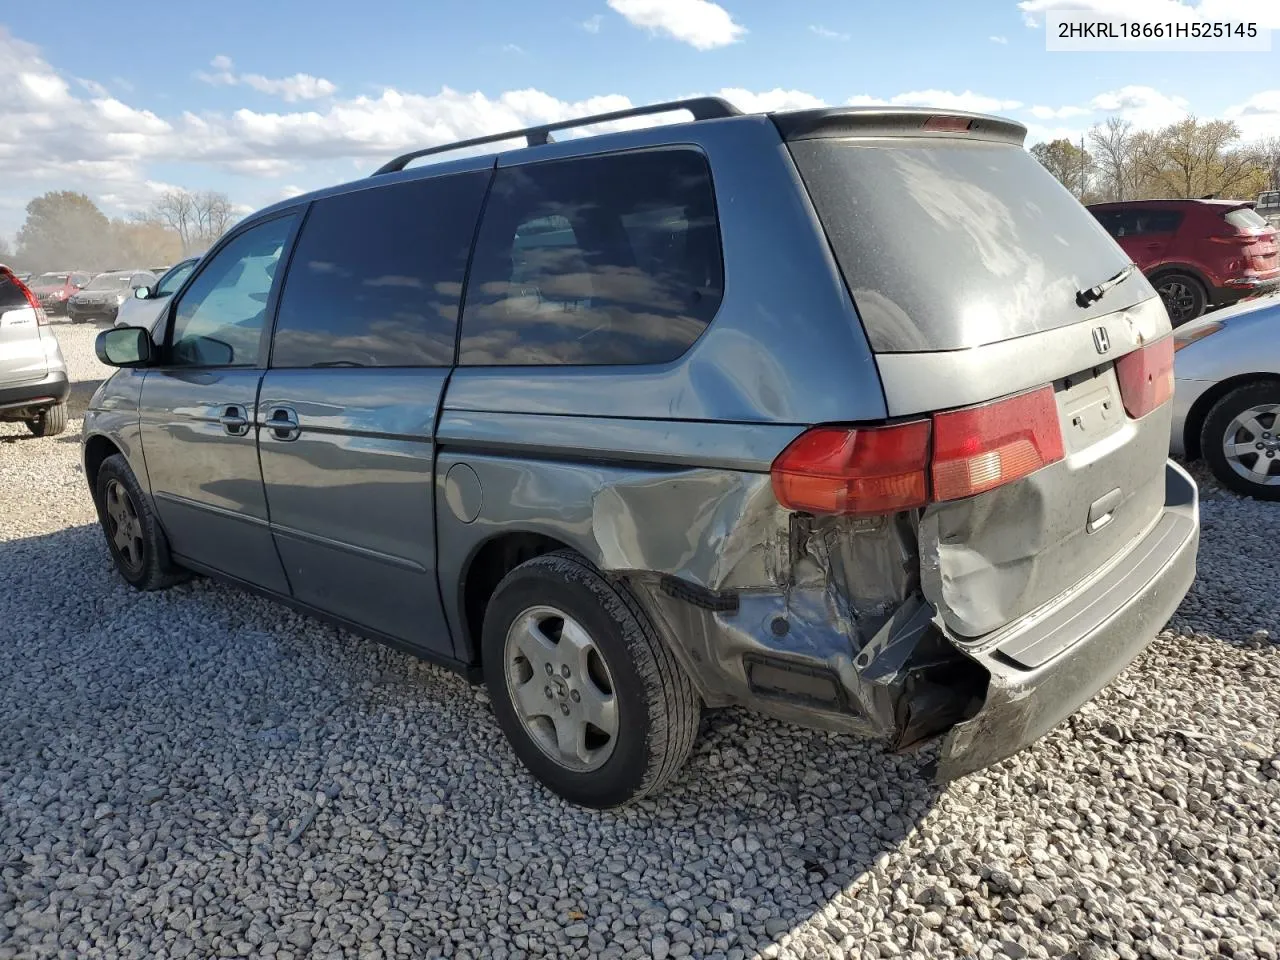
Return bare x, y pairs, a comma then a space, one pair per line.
146, 304
674, 450
1197, 253
1267, 207
54, 289
33, 375
159, 271
102, 296
1227, 401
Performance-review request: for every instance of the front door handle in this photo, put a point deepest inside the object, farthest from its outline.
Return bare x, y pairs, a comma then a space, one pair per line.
283, 422
235, 420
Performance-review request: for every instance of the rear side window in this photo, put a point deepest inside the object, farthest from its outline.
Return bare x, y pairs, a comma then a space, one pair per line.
598, 260
947, 244
377, 274
1246, 219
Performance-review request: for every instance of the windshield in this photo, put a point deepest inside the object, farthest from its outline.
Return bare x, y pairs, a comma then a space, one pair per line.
947, 244
50, 279
109, 281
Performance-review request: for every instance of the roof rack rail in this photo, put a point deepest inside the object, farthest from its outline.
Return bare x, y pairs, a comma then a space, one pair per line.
702, 108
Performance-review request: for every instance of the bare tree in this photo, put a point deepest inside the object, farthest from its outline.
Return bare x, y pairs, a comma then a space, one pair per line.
1199, 158
1115, 149
198, 218
1066, 161
1268, 152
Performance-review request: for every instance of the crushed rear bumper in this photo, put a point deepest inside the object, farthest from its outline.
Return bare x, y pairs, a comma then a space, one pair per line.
1043, 667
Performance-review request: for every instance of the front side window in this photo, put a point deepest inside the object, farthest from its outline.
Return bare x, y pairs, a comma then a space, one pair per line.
218, 320
172, 280
597, 260
376, 276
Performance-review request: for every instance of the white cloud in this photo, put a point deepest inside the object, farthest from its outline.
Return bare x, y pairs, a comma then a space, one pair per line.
770, 100
300, 86
1057, 113
1144, 107
976, 102
93, 87
592, 24
1258, 116
828, 34
1265, 12
1003, 41
699, 23
512, 48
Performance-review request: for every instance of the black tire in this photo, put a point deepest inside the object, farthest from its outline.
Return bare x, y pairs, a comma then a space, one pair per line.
1184, 296
153, 569
50, 421
1213, 439
658, 707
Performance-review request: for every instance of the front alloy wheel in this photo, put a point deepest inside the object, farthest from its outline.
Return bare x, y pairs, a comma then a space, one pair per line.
123, 526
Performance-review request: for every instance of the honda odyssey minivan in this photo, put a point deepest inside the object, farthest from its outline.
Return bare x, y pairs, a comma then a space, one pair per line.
854, 417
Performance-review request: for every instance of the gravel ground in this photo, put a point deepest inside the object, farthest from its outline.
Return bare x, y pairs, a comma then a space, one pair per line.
204, 773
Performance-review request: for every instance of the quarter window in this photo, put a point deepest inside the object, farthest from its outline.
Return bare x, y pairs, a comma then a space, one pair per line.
218, 321
599, 260
376, 276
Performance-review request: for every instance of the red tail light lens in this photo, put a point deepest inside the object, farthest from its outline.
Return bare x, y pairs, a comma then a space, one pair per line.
1146, 377
948, 124
980, 448
41, 318
855, 470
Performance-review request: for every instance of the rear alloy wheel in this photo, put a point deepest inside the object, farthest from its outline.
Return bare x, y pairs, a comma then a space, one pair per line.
1241, 440
50, 421
138, 545
590, 697
1183, 295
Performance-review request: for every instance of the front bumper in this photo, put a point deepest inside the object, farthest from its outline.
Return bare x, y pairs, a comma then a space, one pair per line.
1044, 667
78, 310
53, 388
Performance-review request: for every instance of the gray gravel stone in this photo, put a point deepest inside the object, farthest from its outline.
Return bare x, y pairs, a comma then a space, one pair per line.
158, 750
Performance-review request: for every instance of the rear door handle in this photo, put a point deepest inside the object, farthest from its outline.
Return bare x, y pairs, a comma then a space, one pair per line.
235, 420
283, 422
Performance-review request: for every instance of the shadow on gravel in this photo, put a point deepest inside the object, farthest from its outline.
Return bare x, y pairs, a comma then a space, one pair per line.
267, 752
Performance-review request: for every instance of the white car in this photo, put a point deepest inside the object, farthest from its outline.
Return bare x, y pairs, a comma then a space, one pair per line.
147, 303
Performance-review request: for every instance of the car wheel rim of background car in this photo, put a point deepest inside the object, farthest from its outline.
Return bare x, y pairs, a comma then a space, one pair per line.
1252, 446
125, 527
561, 688
1179, 301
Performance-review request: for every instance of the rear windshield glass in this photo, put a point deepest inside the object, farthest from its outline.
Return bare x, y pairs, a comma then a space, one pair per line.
1246, 219
947, 245
11, 295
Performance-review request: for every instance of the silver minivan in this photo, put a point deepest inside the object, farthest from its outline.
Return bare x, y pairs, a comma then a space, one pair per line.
854, 417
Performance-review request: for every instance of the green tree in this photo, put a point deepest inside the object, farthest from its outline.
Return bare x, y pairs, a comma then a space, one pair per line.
1066, 161
1196, 158
64, 231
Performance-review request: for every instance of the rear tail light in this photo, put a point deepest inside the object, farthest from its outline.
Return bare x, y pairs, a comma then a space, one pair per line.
980, 448
41, 318
1146, 377
855, 470
875, 470
948, 124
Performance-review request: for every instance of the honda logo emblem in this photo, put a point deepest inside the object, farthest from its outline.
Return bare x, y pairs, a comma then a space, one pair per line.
1101, 340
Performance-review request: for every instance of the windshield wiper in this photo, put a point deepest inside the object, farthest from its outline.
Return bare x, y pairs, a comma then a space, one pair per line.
1092, 295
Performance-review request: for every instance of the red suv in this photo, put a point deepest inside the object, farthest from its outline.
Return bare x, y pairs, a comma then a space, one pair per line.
54, 289
1197, 253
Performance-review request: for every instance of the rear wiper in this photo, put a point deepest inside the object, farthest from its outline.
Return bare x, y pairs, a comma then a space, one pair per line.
1092, 295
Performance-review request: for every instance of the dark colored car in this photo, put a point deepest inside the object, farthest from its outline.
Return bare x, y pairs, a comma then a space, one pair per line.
102, 296
854, 417
1197, 253
54, 289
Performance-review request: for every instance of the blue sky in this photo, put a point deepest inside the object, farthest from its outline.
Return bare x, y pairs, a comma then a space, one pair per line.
264, 99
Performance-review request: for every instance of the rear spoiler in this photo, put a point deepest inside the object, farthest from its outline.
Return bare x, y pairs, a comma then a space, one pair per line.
896, 122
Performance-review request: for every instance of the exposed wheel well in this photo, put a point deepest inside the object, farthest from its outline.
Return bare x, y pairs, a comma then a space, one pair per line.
96, 450
493, 561
1204, 403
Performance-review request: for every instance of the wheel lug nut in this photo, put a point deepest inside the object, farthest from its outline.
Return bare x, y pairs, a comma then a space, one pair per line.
564, 671
549, 693
550, 670
564, 708
1259, 446
575, 696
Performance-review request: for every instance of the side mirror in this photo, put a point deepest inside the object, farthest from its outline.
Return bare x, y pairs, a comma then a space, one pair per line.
124, 347
142, 293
